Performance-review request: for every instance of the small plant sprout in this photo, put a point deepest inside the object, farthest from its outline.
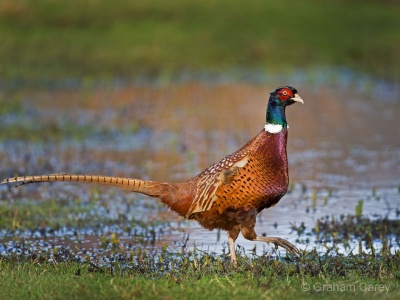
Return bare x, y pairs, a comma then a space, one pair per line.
359, 208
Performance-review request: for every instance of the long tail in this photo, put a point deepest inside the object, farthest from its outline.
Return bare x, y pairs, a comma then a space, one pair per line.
151, 188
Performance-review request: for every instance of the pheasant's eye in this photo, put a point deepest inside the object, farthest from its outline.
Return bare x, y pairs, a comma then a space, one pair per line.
284, 94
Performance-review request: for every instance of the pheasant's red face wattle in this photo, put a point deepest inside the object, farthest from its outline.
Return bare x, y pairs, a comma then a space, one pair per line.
285, 94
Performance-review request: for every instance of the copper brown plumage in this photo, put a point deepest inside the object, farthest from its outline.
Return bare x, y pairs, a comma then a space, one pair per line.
229, 194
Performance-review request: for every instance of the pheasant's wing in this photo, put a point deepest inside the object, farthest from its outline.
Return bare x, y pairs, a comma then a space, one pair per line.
210, 180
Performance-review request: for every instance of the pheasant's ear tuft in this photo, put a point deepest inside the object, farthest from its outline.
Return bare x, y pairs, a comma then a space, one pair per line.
294, 91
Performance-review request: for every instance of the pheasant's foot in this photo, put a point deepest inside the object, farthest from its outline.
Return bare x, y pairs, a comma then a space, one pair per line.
279, 242
233, 259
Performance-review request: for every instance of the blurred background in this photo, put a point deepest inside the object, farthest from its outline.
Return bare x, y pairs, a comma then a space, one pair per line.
162, 89
48, 39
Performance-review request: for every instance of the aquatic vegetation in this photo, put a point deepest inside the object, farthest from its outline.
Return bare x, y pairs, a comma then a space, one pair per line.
359, 208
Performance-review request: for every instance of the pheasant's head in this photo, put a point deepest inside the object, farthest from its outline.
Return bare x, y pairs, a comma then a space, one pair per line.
280, 98
284, 96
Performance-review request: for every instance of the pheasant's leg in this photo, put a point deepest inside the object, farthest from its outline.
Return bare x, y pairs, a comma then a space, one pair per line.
232, 236
279, 242
232, 252
248, 232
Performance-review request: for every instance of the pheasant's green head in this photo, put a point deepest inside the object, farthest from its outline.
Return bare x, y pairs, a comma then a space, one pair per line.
279, 99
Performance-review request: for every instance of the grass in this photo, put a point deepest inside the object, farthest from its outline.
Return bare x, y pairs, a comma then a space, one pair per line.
203, 277
46, 39
51, 214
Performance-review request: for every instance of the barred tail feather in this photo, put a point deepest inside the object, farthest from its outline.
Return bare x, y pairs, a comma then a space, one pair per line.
151, 188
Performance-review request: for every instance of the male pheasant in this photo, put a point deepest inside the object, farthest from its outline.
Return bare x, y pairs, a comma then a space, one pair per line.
229, 194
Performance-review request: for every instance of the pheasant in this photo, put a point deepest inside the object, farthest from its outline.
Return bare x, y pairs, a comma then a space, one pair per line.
229, 194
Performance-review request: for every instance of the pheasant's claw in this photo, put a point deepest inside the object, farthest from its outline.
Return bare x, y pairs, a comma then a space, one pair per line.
279, 242
287, 245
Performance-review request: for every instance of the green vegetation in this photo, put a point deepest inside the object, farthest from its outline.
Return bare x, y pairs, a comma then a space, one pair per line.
34, 214
359, 208
51, 214
49, 39
194, 276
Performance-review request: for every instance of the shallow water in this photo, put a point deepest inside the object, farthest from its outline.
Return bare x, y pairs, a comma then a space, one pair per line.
343, 147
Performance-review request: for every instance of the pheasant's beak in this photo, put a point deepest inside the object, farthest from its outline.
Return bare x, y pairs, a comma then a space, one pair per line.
297, 98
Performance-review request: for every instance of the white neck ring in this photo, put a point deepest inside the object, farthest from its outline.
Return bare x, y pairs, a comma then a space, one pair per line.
273, 128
